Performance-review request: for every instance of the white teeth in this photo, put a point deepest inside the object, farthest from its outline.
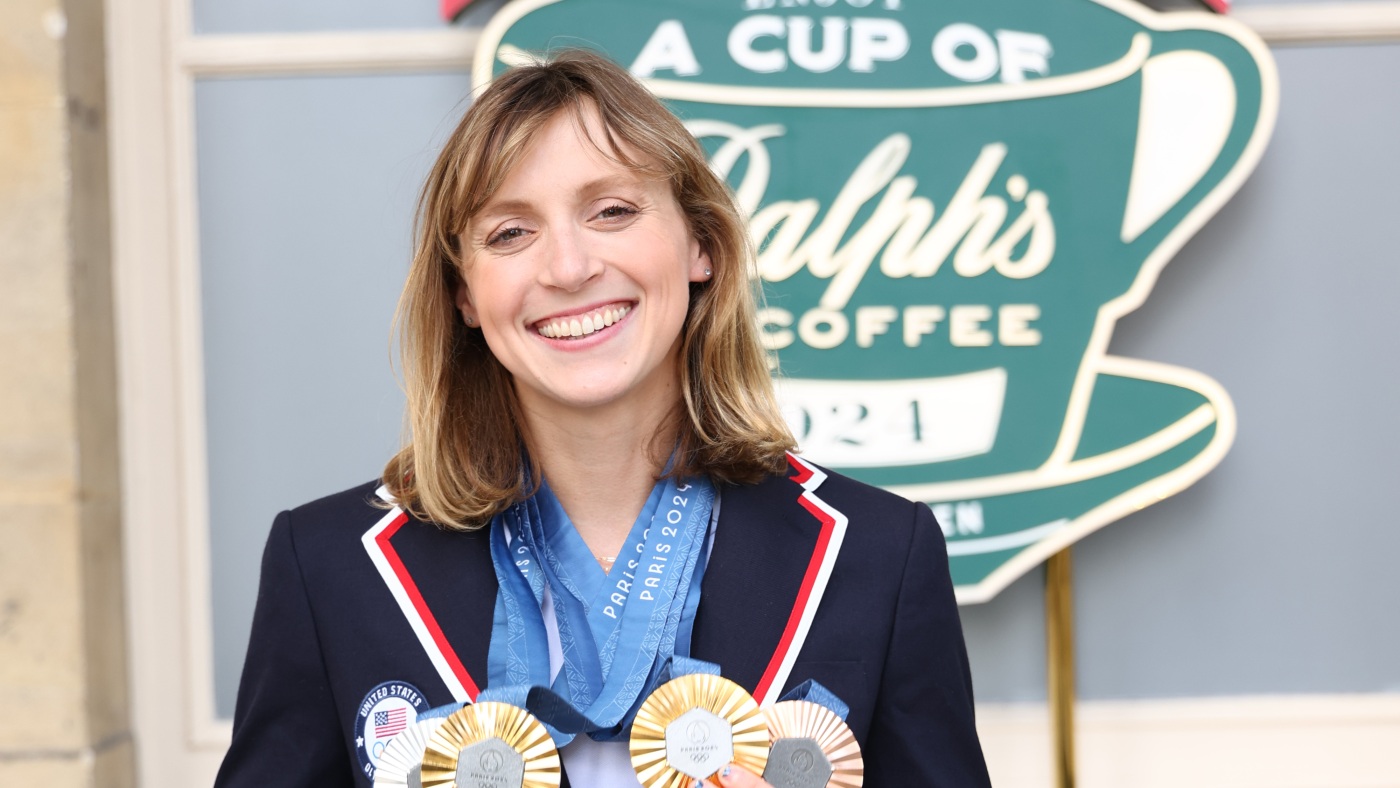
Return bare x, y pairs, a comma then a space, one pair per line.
584, 325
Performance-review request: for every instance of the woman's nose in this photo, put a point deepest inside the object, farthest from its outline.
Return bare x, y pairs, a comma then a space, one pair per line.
571, 261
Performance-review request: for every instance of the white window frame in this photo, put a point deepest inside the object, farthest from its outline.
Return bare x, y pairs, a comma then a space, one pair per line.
153, 63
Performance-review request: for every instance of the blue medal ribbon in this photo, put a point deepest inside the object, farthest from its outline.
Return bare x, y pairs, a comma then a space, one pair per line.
444, 711
812, 690
618, 632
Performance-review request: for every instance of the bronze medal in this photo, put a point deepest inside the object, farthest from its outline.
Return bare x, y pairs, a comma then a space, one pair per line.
812, 748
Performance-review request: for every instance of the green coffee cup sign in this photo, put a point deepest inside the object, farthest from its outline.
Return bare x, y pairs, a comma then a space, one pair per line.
954, 202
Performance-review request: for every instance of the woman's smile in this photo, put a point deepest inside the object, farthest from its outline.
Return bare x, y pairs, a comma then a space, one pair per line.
597, 320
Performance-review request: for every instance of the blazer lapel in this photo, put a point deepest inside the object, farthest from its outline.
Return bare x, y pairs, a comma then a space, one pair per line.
445, 586
774, 547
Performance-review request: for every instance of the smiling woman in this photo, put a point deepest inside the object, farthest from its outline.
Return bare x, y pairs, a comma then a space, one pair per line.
563, 196
586, 385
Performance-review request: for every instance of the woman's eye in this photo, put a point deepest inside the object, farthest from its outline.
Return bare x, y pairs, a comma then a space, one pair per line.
505, 235
616, 212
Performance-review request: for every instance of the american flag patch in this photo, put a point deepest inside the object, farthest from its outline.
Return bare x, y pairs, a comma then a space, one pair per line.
388, 723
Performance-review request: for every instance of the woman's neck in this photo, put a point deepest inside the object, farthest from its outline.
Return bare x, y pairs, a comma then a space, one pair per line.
601, 466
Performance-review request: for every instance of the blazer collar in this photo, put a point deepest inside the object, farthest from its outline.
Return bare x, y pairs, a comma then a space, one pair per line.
775, 545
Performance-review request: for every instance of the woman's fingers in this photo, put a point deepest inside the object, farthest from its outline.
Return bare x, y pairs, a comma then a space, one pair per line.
733, 776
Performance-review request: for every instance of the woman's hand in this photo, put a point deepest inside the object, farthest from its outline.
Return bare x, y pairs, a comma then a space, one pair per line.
734, 776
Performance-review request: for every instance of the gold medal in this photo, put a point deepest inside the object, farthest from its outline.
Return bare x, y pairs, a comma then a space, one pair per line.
812, 748
402, 761
691, 727
491, 745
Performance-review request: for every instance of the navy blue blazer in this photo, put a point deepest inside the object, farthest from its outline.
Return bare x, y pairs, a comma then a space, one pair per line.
812, 576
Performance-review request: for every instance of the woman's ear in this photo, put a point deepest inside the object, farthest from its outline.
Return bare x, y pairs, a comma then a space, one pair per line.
464, 305
700, 268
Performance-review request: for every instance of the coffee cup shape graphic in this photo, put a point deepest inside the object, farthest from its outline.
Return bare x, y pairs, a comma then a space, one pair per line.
953, 207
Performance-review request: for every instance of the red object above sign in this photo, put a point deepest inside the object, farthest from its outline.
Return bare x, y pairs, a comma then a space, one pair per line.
451, 9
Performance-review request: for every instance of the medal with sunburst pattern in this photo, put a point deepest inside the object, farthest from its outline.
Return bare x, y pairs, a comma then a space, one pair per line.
491, 744
691, 727
403, 758
812, 748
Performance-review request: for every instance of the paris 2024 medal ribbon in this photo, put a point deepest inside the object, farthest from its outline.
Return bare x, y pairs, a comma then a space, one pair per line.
491, 745
691, 727
402, 761
812, 748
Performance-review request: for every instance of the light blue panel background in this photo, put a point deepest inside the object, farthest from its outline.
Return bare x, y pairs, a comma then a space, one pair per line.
299, 16
1272, 575
1275, 573
306, 195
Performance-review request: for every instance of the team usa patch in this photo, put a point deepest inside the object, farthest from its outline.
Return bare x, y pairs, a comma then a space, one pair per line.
387, 710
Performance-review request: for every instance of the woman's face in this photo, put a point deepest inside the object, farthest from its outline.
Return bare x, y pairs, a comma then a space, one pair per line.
577, 272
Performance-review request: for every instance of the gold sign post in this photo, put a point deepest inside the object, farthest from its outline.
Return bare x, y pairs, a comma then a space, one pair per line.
1059, 660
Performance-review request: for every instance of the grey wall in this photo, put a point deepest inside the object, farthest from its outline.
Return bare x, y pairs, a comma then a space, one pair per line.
279, 16
306, 194
1269, 576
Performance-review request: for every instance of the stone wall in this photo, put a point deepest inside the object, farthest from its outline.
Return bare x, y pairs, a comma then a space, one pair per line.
63, 673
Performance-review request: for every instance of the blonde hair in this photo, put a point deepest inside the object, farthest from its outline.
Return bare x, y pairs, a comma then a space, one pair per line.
464, 461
